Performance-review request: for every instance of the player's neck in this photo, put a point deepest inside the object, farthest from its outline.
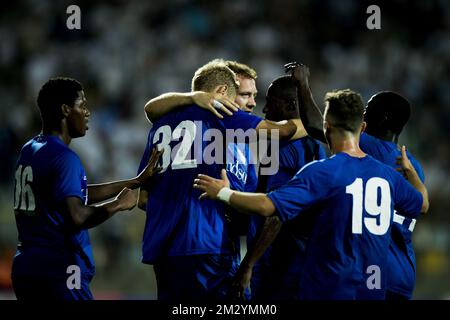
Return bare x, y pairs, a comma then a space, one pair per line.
62, 134
348, 144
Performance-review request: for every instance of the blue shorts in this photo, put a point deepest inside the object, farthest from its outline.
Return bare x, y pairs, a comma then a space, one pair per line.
39, 288
205, 278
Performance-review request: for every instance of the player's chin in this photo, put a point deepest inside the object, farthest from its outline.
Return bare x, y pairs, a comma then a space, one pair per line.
82, 131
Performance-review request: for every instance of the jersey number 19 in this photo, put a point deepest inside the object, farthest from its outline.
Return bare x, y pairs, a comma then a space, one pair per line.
379, 211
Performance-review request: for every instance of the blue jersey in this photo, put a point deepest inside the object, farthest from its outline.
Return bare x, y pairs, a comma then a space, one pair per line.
179, 224
293, 155
240, 167
47, 172
276, 275
354, 199
241, 173
402, 261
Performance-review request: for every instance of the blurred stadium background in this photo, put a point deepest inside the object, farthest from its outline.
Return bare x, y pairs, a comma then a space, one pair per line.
130, 51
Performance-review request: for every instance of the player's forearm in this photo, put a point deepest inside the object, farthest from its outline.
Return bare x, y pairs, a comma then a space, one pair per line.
104, 191
95, 215
269, 232
159, 106
247, 202
413, 178
284, 130
309, 112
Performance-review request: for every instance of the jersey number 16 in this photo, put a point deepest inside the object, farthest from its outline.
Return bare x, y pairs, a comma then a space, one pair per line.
23, 194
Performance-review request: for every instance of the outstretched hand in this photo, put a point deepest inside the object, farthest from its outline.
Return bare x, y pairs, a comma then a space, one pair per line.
211, 186
214, 104
299, 72
152, 167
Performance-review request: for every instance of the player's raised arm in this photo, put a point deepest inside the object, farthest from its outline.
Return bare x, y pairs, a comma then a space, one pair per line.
408, 171
309, 112
159, 106
246, 202
104, 191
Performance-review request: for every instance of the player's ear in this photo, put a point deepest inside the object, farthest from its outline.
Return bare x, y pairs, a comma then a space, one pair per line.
292, 105
221, 90
363, 126
65, 109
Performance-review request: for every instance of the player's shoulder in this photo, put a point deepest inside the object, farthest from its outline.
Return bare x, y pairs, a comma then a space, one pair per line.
316, 166
59, 152
367, 137
241, 119
27, 145
382, 168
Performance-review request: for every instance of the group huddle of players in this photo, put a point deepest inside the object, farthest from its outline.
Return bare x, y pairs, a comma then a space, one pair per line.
318, 228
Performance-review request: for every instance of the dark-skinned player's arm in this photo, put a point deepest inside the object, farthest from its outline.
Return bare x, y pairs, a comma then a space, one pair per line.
266, 236
104, 191
245, 202
85, 217
159, 106
407, 169
309, 111
89, 216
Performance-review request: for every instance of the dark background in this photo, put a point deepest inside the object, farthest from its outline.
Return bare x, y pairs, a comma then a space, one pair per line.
130, 51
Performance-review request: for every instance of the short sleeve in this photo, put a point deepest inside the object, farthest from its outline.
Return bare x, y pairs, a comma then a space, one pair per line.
304, 190
407, 199
69, 175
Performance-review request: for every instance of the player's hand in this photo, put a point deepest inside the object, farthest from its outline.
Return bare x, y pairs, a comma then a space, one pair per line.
214, 104
299, 72
127, 199
211, 186
404, 163
241, 281
151, 169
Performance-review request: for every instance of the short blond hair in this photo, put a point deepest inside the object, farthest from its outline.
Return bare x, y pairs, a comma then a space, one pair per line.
215, 73
241, 69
